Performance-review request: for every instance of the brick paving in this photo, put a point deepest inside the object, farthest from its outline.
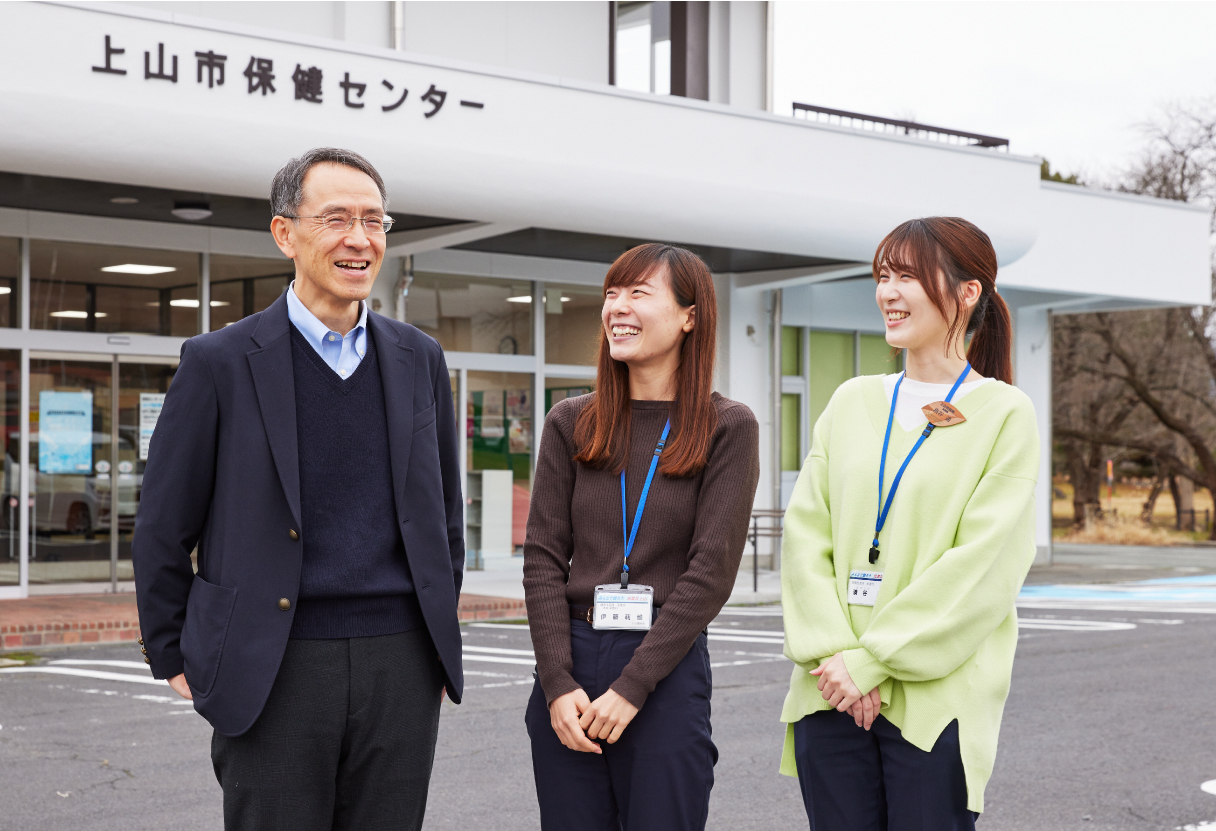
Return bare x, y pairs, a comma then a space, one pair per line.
100, 618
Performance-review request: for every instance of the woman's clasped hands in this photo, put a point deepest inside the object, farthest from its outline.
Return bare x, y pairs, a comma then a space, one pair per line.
576, 719
838, 689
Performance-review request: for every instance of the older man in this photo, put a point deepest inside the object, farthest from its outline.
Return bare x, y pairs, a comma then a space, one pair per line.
310, 452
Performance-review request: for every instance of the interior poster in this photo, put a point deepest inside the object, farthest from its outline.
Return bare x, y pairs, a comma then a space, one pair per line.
65, 432
149, 411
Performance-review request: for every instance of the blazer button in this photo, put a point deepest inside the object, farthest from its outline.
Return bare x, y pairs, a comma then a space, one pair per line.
141, 641
144, 651
146, 661
292, 533
284, 603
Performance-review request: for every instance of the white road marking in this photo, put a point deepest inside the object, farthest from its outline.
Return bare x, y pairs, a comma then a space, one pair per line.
752, 611
1143, 607
497, 650
1159, 620
768, 633
1209, 787
160, 699
89, 673
1074, 625
515, 626
713, 637
139, 665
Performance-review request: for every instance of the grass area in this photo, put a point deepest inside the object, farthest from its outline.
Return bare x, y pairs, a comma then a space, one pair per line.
17, 658
1124, 527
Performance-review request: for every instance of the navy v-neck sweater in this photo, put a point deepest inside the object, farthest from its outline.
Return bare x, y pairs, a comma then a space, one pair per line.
355, 580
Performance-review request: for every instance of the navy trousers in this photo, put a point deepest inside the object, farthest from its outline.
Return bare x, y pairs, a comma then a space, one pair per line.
657, 775
853, 780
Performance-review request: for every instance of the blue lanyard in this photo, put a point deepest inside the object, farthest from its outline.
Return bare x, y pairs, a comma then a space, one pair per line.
882, 465
637, 518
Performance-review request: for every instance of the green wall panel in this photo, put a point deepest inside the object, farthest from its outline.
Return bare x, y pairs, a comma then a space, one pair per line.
791, 350
831, 365
791, 433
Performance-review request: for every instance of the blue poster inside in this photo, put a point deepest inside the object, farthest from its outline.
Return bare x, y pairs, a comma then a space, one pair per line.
65, 432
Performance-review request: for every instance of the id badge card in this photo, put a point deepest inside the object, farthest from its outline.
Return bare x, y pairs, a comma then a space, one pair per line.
863, 587
617, 608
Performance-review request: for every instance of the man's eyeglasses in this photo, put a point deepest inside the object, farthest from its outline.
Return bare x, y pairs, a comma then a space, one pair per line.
342, 221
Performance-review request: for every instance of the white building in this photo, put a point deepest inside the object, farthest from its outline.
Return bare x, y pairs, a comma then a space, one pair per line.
137, 145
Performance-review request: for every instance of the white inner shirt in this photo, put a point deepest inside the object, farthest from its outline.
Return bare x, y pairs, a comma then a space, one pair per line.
916, 394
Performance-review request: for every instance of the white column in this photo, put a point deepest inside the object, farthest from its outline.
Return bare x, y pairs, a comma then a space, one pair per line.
538, 374
1032, 374
750, 353
204, 293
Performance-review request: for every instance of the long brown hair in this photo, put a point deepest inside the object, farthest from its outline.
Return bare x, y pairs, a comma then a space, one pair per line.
602, 429
962, 252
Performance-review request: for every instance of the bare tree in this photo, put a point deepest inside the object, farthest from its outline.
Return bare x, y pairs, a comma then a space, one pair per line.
1179, 160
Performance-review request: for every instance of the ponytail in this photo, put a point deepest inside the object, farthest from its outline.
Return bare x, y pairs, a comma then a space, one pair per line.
991, 329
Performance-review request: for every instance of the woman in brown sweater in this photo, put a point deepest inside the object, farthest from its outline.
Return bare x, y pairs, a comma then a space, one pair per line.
619, 716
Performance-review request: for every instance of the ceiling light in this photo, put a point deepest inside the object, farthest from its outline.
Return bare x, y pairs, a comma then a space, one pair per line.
527, 298
191, 211
124, 200
136, 268
74, 315
190, 303
5, 290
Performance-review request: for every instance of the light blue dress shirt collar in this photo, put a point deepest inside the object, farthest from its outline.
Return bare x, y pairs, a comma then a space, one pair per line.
341, 354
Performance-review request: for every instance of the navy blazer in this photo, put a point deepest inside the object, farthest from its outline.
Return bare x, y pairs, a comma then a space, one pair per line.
223, 474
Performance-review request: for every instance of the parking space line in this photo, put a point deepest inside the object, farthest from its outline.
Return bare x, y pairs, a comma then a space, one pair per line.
139, 665
89, 673
1073, 625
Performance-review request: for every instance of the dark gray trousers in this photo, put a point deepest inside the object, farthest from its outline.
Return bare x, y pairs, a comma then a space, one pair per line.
346, 739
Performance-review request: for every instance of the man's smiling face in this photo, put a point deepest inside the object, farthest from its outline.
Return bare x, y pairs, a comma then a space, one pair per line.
338, 263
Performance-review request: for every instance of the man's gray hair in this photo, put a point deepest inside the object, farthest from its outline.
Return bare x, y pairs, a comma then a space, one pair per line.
287, 190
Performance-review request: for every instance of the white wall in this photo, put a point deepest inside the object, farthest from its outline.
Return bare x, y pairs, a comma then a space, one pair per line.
1116, 245
364, 22
562, 38
1032, 375
738, 53
750, 373
846, 305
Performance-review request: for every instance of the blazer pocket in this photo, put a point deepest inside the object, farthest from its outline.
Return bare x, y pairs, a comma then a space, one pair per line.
424, 419
208, 612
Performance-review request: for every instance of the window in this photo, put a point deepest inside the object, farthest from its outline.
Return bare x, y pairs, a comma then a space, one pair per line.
499, 446
472, 314
643, 47
572, 323
10, 280
80, 287
241, 286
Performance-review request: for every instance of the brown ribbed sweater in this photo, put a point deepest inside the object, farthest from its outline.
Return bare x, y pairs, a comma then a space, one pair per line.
688, 545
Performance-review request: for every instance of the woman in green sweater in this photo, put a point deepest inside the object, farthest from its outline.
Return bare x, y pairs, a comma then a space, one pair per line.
907, 538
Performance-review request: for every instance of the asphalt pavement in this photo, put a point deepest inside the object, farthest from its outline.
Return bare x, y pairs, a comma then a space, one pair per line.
1109, 725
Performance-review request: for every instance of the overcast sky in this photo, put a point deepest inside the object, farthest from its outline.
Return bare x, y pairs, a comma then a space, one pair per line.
1065, 80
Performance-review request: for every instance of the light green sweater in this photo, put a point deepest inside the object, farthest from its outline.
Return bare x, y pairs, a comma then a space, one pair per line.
957, 544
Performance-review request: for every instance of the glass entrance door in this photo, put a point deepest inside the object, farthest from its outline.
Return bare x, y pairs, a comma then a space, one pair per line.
90, 420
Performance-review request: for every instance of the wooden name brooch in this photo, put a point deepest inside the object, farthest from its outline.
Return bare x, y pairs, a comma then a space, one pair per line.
942, 414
